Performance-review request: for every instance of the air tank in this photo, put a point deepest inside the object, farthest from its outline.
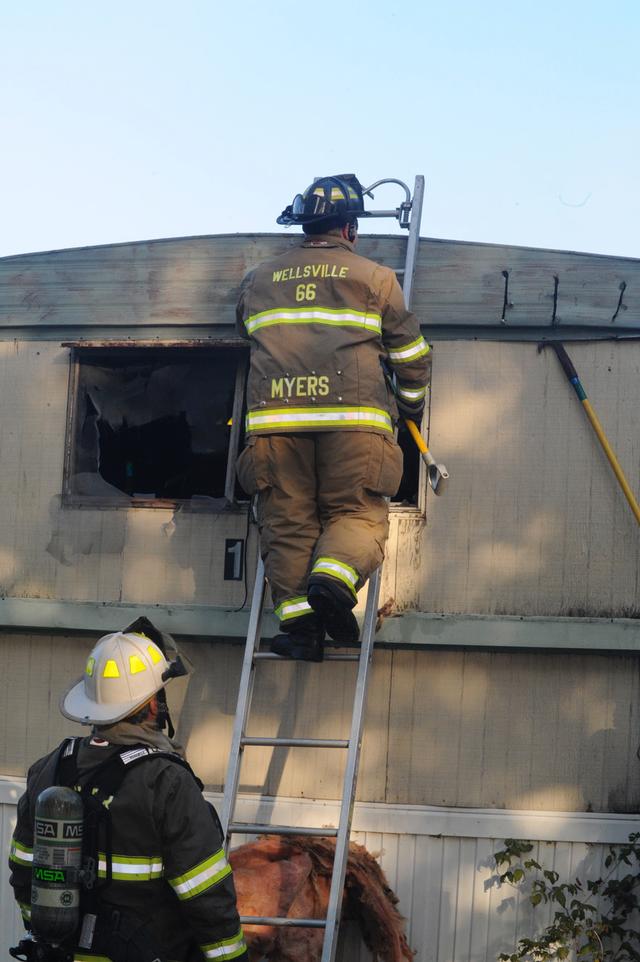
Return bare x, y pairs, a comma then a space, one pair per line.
57, 857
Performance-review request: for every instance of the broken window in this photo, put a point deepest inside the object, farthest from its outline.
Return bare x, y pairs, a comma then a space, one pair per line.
154, 424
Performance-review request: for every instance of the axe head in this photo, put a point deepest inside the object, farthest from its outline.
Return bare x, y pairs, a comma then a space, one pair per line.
438, 476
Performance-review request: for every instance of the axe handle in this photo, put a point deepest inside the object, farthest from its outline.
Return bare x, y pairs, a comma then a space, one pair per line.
414, 431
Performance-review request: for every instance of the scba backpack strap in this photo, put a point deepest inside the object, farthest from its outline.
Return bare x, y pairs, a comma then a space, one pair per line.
97, 789
129, 939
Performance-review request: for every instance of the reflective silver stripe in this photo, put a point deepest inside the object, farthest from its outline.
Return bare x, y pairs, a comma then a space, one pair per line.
202, 877
135, 869
317, 315
20, 853
225, 950
337, 569
408, 352
411, 395
292, 608
310, 417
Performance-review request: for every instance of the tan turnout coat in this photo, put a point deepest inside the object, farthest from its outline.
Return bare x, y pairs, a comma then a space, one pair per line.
321, 319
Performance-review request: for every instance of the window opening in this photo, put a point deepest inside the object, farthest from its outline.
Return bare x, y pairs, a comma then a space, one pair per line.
153, 425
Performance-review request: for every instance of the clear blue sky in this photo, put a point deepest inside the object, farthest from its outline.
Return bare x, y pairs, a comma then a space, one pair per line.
126, 121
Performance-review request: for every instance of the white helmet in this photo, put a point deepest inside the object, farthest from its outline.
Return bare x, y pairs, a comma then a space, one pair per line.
123, 672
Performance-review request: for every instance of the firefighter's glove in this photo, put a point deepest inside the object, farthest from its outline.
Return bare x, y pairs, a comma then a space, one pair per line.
411, 412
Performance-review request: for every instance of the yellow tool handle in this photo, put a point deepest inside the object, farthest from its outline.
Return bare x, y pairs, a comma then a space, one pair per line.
414, 431
613, 461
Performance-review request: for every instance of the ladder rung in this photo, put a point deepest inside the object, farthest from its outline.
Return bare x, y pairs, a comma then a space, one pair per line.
297, 742
270, 656
399, 270
249, 828
275, 920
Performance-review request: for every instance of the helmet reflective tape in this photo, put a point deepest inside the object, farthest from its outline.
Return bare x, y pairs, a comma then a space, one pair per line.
327, 316
110, 670
284, 419
136, 664
91, 664
337, 569
138, 868
225, 949
201, 877
20, 854
408, 352
293, 608
338, 194
154, 654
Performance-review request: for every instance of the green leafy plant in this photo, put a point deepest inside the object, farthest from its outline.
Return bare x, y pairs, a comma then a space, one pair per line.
593, 920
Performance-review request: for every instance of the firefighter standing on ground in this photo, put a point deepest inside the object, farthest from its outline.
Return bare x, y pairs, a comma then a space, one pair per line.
171, 897
321, 454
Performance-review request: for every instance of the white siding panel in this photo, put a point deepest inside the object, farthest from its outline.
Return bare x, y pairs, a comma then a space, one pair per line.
443, 879
11, 925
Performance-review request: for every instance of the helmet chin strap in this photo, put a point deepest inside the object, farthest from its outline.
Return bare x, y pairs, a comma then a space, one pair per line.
163, 718
175, 670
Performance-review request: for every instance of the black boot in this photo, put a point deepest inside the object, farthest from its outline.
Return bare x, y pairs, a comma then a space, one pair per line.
338, 618
305, 643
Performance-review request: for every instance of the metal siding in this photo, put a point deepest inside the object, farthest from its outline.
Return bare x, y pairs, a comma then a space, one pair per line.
190, 284
11, 927
533, 521
454, 913
523, 730
532, 524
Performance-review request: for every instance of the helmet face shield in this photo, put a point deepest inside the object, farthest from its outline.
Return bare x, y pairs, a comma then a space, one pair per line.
297, 207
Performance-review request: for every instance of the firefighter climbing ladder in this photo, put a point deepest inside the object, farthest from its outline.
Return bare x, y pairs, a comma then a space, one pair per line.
408, 215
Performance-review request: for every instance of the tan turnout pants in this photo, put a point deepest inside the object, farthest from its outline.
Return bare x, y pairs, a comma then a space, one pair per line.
321, 510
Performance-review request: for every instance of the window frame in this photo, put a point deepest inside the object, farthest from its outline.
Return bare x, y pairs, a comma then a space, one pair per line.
113, 348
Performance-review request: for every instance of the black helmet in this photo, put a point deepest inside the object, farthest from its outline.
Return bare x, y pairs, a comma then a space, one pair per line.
328, 200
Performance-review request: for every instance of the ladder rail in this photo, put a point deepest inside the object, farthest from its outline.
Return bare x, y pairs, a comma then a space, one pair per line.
245, 692
413, 241
351, 770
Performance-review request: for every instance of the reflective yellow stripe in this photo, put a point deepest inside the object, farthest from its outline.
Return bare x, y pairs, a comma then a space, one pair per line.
131, 868
292, 608
201, 877
226, 949
20, 854
337, 569
88, 957
303, 417
315, 315
408, 352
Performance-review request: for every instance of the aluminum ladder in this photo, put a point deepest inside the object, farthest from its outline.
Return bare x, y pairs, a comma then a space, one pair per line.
409, 215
